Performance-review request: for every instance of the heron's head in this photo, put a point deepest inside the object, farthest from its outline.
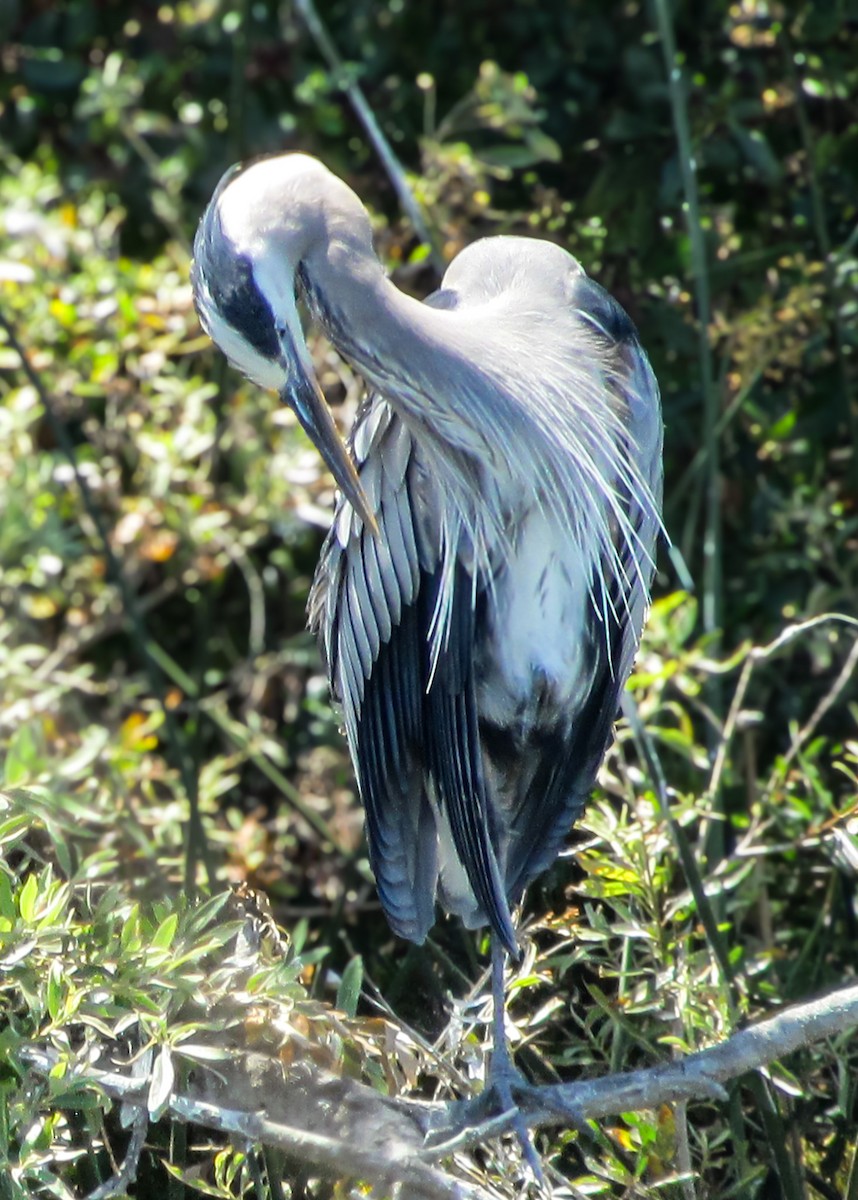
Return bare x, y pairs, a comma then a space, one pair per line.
263, 223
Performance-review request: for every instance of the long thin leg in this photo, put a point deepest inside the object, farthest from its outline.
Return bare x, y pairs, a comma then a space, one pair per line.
503, 1081
501, 1064
497, 1108
503, 1075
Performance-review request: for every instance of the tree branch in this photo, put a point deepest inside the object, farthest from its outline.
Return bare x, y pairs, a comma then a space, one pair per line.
345, 80
346, 1128
702, 1075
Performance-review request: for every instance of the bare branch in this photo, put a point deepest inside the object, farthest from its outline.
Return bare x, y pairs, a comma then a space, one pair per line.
347, 1129
119, 1183
342, 1127
702, 1075
760, 654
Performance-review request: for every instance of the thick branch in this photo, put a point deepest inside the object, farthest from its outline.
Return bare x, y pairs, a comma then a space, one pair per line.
348, 1129
340, 1126
702, 1075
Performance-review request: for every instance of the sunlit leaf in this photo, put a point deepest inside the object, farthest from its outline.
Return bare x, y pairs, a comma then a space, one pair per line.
161, 1083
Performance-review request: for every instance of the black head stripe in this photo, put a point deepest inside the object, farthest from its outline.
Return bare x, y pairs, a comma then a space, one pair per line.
229, 280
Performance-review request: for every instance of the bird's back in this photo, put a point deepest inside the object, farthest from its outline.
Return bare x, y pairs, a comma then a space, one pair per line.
480, 644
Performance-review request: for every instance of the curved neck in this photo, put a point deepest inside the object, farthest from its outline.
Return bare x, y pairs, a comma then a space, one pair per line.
418, 357
363, 313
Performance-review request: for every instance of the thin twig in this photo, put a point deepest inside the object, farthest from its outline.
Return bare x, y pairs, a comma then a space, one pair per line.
756, 655
119, 1183
806, 732
684, 1166
701, 456
238, 82
358, 101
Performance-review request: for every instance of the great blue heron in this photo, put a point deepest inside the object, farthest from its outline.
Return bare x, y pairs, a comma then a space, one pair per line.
481, 594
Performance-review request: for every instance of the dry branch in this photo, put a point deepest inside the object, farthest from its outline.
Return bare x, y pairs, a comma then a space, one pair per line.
347, 1129
703, 1074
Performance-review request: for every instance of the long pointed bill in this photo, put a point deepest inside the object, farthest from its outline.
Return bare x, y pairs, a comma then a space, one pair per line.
304, 397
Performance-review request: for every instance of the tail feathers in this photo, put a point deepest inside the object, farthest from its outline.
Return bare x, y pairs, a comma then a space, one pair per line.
405, 865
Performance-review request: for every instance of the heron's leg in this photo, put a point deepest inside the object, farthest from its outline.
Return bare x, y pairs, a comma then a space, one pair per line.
496, 1109
501, 1065
503, 1075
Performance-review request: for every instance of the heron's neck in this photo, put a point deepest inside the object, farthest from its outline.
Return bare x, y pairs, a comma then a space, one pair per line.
439, 369
403, 348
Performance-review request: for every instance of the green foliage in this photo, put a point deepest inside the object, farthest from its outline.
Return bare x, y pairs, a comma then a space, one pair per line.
205, 693
86, 970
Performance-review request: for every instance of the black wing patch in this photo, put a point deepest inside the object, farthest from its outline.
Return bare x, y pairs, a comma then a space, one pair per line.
418, 747
455, 758
399, 822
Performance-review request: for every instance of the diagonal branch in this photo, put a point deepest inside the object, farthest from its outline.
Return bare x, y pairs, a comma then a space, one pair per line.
310, 16
345, 1128
703, 1074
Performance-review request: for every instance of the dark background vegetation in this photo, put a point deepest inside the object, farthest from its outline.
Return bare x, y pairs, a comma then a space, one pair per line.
193, 682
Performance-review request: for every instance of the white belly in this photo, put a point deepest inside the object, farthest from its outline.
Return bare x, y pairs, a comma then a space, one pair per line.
539, 613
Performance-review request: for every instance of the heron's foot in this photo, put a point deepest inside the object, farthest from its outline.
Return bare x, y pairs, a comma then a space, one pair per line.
497, 1110
510, 1088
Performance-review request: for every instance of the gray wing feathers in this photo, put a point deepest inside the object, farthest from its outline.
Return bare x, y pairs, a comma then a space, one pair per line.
412, 723
363, 606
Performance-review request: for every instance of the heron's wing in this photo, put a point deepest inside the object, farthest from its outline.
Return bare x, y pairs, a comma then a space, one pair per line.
455, 757
410, 715
363, 606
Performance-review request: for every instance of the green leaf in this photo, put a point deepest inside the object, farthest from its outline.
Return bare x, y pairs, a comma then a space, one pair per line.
204, 914
348, 993
24, 756
544, 146
55, 901
95, 738
163, 936
161, 1083
129, 938
510, 157
27, 897
55, 990
13, 828
784, 427
7, 899
758, 153
299, 935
